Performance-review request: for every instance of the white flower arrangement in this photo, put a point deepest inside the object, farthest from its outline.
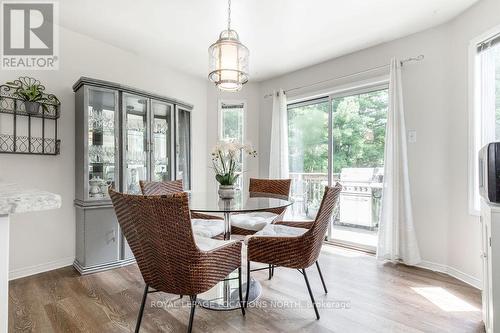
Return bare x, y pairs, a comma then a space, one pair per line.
225, 160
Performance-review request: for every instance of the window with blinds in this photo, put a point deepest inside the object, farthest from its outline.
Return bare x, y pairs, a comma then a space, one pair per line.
489, 43
232, 126
231, 121
486, 110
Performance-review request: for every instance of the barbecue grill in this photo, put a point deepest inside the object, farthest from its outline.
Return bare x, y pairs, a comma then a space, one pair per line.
360, 197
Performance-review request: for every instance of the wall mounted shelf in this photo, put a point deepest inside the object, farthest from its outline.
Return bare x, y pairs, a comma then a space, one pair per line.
25, 131
37, 146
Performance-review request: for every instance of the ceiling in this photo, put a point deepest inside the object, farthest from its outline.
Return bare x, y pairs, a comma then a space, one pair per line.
282, 35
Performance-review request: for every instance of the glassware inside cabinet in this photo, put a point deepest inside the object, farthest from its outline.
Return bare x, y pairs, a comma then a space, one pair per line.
101, 142
162, 140
136, 161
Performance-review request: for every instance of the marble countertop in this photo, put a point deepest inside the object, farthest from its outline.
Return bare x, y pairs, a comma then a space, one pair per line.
17, 199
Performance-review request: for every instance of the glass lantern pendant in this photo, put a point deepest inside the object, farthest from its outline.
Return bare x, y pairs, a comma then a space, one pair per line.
228, 59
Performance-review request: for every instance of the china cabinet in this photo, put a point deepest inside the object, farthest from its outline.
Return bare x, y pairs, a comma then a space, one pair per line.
123, 135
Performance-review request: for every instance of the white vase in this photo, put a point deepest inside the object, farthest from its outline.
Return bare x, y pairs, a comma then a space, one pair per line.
226, 191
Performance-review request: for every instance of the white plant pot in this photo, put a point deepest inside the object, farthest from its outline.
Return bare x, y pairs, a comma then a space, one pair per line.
226, 191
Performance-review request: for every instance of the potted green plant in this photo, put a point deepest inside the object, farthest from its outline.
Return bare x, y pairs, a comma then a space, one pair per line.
31, 92
225, 161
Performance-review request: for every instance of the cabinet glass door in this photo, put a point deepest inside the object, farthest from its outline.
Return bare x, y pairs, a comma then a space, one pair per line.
101, 130
161, 132
183, 147
135, 158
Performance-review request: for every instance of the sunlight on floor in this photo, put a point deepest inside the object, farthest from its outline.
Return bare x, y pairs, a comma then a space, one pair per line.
343, 251
358, 236
445, 300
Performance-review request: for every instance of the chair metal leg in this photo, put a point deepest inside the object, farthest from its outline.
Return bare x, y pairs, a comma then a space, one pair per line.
191, 316
310, 293
248, 283
242, 304
321, 276
141, 311
270, 272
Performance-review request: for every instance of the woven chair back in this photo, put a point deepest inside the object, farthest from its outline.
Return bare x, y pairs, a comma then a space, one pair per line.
315, 235
161, 188
270, 186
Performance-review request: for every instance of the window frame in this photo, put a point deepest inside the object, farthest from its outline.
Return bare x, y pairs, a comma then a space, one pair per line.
473, 108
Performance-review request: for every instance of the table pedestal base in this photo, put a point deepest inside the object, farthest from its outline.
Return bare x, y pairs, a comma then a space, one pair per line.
230, 299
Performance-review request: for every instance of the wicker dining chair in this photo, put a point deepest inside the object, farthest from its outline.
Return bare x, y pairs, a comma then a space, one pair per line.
285, 245
250, 223
170, 258
203, 224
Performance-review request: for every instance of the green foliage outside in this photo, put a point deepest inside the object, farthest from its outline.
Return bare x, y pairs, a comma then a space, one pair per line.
232, 118
233, 121
358, 133
308, 138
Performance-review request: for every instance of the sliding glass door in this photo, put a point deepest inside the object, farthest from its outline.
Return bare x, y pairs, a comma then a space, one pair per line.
308, 155
340, 138
358, 164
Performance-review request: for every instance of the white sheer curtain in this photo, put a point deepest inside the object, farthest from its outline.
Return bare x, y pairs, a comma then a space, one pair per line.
278, 156
397, 239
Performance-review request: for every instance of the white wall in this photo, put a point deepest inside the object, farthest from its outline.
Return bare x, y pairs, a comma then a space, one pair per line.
463, 230
436, 107
250, 94
44, 240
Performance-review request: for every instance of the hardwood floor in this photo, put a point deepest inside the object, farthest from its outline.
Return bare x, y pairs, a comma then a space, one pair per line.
364, 296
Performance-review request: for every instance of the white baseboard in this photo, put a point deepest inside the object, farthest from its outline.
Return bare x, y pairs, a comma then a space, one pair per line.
475, 282
40, 268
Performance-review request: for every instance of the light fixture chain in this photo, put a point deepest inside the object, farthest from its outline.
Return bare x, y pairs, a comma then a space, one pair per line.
228, 15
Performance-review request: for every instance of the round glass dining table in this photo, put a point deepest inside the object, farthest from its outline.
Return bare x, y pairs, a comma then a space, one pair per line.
224, 296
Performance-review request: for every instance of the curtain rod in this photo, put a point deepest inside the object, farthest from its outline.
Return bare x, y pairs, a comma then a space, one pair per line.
486, 44
418, 58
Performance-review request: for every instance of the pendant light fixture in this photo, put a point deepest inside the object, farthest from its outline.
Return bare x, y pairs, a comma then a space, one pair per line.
228, 59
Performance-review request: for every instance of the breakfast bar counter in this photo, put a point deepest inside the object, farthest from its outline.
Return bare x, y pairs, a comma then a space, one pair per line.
15, 199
